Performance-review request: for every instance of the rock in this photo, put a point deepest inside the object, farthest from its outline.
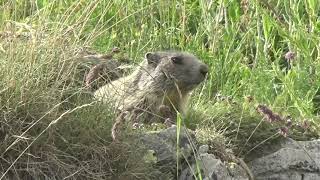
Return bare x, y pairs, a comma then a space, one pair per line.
164, 146
203, 149
295, 160
212, 168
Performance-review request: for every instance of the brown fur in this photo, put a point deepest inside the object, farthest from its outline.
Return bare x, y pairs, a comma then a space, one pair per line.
163, 78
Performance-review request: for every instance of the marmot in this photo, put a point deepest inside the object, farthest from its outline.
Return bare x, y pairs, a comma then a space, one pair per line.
162, 81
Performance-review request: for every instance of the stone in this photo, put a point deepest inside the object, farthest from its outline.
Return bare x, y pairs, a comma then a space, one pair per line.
194, 160
295, 160
203, 149
212, 168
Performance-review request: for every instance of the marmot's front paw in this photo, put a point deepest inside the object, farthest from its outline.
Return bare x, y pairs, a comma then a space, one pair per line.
137, 125
165, 110
169, 123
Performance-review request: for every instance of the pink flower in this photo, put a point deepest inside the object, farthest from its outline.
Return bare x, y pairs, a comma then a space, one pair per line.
289, 56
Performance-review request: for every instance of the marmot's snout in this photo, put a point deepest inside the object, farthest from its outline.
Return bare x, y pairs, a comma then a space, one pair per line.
204, 69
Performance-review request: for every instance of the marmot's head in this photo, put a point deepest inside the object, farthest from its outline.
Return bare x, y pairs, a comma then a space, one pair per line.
185, 69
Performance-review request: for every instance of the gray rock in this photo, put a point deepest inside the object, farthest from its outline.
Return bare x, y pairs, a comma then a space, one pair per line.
295, 160
203, 149
213, 169
164, 146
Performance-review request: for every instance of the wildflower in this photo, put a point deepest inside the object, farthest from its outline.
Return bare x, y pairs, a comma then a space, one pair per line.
268, 114
249, 98
245, 6
288, 121
305, 125
289, 56
115, 50
284, 131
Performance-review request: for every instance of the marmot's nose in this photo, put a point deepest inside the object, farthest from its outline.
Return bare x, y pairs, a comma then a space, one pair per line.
204, 69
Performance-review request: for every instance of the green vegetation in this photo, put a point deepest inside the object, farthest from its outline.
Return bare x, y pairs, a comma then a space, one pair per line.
258, 53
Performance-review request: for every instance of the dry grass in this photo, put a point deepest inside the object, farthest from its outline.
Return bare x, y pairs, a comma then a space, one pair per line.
50, 125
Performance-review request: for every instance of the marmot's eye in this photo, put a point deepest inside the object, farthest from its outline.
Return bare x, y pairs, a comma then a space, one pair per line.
177, 60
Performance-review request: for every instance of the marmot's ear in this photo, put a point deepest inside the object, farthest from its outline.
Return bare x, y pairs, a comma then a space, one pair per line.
177, 59
152, 58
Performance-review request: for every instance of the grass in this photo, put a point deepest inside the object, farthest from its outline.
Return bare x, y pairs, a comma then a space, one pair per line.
49, 119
